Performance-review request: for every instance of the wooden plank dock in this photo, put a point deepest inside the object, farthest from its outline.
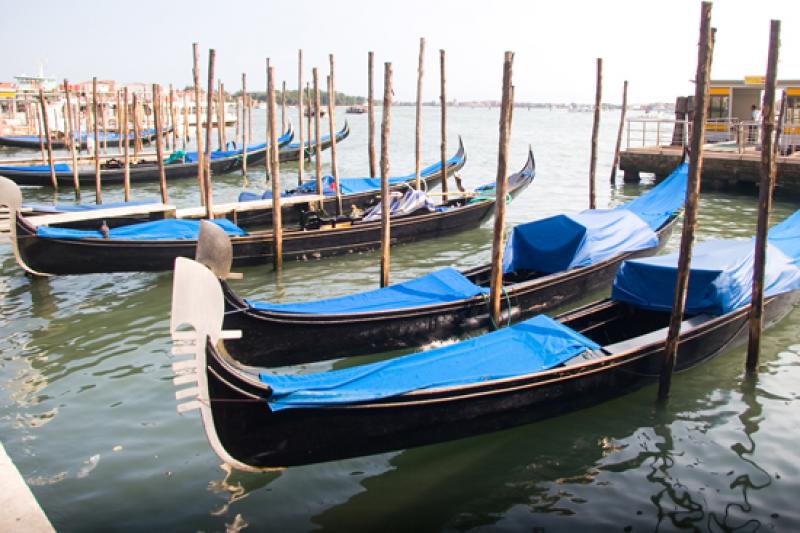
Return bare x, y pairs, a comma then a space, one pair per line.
722, 169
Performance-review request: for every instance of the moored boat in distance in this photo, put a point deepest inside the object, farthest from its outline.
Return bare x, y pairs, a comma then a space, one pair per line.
153, 246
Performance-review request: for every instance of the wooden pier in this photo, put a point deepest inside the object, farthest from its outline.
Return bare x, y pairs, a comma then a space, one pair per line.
722, 169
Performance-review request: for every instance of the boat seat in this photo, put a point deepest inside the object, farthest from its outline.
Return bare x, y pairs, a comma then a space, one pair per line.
654, 336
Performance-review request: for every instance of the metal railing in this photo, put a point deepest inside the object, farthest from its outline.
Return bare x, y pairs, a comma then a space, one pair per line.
728, 134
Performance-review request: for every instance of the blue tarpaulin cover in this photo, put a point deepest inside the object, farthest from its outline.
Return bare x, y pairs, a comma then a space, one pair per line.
66, 208
350, 185
659, 203
442, 286
59, 167
531, 346
721, 273
168, 229
562, 242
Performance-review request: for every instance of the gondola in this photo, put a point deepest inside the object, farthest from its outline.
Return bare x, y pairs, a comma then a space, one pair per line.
112, 171
356, 193
447, 302
291, 151
153, 246
32, 142
255, 419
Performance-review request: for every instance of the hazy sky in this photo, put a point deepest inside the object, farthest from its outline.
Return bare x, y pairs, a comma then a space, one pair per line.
650, 43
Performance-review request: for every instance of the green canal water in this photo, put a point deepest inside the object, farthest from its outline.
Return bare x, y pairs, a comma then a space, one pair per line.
87, 408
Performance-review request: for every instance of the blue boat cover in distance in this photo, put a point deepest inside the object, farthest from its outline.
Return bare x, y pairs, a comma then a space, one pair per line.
167, 229
536, 344
350, 185
442, 286
662, 201
310, 142
562, 242
68, 208
720, 277
191, 157
59, 167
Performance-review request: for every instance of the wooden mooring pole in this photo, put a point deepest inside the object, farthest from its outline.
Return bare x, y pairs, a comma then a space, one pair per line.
98, 194
443, 148
766, 187
317, 148
162, 177
126, 160
332, 123
704, 54
172, 122
39, 128
212, 56
198, 122
301, 162
308, 121
595, 129
283, 108
118, 119
76, 182
420, 70
185, 116
619, 132
46, 122
371, 115
277, 229
244, 127
137, 140
386, 121
220, 104
496, 282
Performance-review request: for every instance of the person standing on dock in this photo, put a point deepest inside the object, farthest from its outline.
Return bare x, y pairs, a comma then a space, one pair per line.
752, 136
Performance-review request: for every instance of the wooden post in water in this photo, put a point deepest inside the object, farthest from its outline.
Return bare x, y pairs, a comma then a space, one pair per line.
172, 122
244, 127
385, 199
371, 116
46, 123
118, 119
137, 141
277, 229
185, 120
249, 118
159, 151
301, 162
76, 182
283, 107
103, 109
705, 51
619, 132
198, 123
781, 123
766, 187
308, 118
223, 126
496, 282
39, 128
317, 148
212, 55
220, 117
595, 129
126, 160
443, 100
97, 192
332, 122
419, 113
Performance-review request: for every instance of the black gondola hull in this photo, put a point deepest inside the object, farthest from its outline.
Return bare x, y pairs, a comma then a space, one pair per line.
252, 434
277, 339
83, 256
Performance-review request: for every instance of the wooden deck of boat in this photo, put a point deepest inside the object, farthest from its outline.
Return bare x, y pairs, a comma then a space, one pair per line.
158, 210
723, 168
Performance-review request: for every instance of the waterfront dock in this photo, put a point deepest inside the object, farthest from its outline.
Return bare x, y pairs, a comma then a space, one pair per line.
21, 511
722, 170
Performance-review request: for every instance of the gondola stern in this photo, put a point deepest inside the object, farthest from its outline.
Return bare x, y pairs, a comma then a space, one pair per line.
11, 197
197, 304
